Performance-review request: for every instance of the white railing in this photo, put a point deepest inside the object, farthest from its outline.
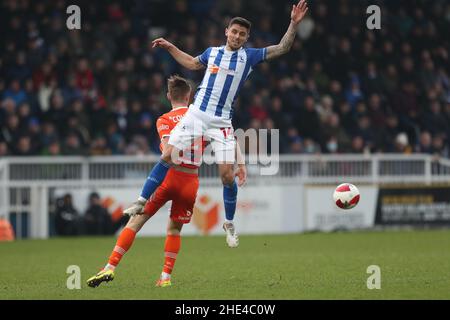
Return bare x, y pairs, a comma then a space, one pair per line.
311, 169
25, 182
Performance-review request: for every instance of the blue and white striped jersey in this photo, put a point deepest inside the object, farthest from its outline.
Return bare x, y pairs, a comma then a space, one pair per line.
226, 72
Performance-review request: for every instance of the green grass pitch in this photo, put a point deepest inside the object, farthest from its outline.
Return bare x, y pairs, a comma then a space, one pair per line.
414, 265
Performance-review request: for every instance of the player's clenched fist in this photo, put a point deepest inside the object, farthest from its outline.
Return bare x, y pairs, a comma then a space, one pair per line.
162, 43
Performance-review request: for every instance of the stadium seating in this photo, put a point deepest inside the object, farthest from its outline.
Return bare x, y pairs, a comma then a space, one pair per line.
342, 89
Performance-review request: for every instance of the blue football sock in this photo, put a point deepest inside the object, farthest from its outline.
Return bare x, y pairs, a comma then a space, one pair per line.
229, 200
155, 178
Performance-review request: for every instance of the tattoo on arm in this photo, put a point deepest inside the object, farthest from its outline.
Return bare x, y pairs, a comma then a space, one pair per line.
285, 44
197, 64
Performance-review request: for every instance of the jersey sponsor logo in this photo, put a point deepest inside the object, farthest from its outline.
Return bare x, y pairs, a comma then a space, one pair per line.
214, 69
229, 71
163, 127
176, 118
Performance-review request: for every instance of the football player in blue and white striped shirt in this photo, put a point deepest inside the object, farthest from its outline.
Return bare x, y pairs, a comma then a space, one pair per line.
227, 68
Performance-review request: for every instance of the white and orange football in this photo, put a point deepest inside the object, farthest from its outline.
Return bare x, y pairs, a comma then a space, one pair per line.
346, 196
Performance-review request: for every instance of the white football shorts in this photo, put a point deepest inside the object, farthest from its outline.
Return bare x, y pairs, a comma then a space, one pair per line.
218, 131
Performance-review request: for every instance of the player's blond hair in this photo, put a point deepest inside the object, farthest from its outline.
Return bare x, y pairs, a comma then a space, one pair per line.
178, 87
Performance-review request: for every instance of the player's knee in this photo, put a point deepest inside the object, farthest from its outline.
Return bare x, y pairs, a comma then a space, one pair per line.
227, 177
173, 231
174, 228
135, 223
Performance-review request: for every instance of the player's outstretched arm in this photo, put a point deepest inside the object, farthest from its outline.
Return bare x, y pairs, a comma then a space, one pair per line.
180, 56
297, 14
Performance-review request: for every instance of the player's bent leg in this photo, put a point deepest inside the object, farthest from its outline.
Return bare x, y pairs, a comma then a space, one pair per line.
126, 239
185, 186
229, 198
137, 222
123, 244
154, 180
171, 249
226, 171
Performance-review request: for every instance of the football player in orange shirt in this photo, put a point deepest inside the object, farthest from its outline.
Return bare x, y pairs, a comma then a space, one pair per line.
180, 186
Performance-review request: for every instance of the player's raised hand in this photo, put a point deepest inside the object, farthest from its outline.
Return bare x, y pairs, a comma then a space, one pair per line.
299, 11
162, 43
241, 173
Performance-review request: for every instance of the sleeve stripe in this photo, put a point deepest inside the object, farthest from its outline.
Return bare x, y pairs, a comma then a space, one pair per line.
201, 61
203, 58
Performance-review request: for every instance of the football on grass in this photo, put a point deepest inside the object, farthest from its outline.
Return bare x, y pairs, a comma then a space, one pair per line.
346, 196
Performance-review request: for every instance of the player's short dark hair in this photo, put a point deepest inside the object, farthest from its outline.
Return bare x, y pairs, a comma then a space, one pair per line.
240, 21
178, 87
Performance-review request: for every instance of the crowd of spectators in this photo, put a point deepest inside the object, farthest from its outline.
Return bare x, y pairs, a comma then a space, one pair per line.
342, 89
96, 220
